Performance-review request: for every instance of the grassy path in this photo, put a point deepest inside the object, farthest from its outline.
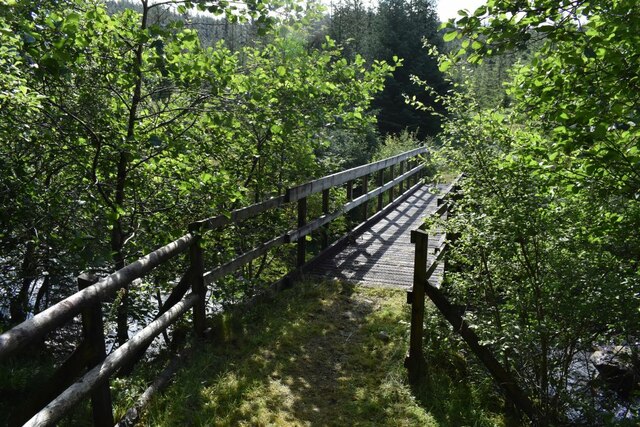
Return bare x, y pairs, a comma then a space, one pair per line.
319, 354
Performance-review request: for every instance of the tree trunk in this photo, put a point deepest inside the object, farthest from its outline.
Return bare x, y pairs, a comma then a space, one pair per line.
19, 305
118, 234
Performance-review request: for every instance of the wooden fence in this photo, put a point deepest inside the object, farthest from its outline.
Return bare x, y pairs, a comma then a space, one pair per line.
87, 371
415, 361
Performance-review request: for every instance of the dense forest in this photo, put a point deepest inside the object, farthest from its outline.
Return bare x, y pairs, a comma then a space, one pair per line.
122, 122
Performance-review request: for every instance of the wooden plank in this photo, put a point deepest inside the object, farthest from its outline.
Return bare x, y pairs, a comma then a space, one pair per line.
93, 331
303, 190
237, 215
176, 295
296, 193
65, 310
133, 414
325, 211
81, 389
41, 394
196, 267
381, 254
415, 361
295, 235
454, 184
441, 245
441, 210
243, 259
436, 261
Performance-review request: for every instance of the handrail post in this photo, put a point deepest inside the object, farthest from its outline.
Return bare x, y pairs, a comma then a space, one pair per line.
365, 190
415, 360
391, 178
349, 191
401, 185
302, 241
325, 211
93, 331
198, 287
412, 179
380, 184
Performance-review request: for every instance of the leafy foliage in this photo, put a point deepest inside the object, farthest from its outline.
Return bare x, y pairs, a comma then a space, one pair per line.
547, 258
119, 129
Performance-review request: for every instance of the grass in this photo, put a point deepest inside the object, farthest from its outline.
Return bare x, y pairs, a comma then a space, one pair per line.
322, 353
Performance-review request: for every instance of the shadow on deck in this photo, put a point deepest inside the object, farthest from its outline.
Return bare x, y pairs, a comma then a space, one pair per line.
382, 255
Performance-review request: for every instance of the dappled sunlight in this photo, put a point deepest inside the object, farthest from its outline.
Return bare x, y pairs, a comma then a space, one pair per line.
318, 354
315, 359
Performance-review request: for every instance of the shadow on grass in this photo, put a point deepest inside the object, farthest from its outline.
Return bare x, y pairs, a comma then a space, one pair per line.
454, 388
319, 354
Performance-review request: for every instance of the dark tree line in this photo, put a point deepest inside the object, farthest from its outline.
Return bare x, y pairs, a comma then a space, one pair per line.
395, 29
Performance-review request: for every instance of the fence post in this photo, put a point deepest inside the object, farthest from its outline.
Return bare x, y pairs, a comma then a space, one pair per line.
391, 178
401, 185
415, 360
409, 166
325, 211
302, 241
93, 331
365, 190
349, 191
196, 261
380, 184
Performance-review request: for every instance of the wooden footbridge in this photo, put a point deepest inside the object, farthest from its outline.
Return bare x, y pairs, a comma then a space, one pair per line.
382, 254
391, 200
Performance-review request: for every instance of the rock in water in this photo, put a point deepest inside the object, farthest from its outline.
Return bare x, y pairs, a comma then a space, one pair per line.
617, 369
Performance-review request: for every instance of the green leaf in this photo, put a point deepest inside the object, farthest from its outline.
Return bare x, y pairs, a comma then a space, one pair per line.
276, 129
450, 36
444, 66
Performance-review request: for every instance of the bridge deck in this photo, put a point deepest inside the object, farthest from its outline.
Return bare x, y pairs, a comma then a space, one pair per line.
382, 256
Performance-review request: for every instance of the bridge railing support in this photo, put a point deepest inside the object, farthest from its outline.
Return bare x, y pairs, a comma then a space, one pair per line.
93, 331
198, 287
415, 362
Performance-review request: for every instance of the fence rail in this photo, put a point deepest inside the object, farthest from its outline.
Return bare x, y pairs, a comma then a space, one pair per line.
57, 397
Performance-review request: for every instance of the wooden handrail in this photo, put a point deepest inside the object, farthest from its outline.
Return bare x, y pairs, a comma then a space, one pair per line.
243, 259
421, 288
56, 315
56, 409
340, 178
237, 216
297, 234
294, 235
422, 272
